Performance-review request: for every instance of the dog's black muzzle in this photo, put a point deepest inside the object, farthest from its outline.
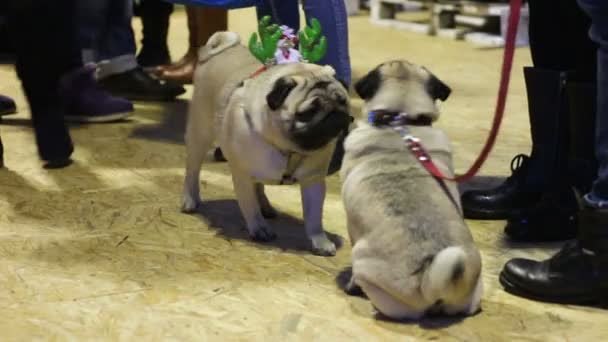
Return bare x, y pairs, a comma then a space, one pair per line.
317, 135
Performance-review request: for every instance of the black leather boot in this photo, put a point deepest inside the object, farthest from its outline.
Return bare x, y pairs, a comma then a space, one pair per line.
546, 107
553, 218
578, 274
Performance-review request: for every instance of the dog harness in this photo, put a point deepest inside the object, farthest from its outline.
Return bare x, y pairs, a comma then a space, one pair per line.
293, 161
399, 122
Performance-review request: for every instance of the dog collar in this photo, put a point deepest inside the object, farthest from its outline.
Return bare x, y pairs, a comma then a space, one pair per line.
259, 71
399, 122
392, 118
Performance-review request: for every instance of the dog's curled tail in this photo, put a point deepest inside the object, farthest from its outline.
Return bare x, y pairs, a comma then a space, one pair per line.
218, 42
444, 276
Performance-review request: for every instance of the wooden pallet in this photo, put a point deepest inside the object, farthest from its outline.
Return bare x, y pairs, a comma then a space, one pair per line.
451, 18
384, 12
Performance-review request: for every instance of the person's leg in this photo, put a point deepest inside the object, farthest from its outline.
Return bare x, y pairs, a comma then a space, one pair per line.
560, 48
118, 71
43, 55
84, 99
154, 15
202, 24
283, 12
556, 171
117, 42
599, 34
91, 20
578, 274
334, 21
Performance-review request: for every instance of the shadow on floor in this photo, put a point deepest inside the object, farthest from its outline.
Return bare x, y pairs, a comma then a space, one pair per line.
427, 322
225, 217
171, 123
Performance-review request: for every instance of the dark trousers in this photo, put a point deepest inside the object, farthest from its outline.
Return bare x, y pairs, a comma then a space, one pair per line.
559, 37
154, 16
45, 50
598, 12
105, 34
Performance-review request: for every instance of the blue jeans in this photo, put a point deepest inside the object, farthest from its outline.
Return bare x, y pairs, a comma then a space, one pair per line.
106, 35
332, 16
598, 12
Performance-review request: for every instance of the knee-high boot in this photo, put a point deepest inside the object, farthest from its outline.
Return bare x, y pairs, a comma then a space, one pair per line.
547, 108
555, 216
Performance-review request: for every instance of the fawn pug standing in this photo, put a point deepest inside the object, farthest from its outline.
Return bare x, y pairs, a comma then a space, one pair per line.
412, 251
277, 127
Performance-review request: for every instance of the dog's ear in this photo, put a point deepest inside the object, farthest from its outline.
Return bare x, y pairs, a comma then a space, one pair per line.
281, 89
368, 86
437, 89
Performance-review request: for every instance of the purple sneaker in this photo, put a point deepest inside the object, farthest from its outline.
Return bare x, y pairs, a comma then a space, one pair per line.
87, 102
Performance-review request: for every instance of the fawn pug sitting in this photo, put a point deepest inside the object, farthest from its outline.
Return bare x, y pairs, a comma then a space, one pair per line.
276, 127
412, 251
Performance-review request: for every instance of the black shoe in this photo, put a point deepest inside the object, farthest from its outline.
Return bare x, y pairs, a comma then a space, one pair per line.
501, 202
137, 85
7, 106
553, 218
58, 163
578, 274
547, 107
569, 277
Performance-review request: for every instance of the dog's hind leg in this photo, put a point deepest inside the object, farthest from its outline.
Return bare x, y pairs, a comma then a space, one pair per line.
246, 195
199, 141
191, 197
267, 210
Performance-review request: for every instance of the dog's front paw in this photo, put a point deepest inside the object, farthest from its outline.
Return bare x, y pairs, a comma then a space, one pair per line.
190, 204
322, 246
263, 234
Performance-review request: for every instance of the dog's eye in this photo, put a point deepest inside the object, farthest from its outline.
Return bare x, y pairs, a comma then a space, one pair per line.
306, 115
309, 113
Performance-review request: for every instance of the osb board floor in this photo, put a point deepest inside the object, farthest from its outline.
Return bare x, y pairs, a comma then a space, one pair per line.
100, 251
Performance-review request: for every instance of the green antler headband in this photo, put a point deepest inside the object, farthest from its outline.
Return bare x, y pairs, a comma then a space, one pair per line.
275, 45
313, 45
269, 37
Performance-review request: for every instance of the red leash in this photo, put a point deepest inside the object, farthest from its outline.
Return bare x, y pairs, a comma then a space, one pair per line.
507, 64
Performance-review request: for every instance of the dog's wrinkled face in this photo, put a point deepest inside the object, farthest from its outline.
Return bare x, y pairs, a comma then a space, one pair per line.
402, 86
313, 109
